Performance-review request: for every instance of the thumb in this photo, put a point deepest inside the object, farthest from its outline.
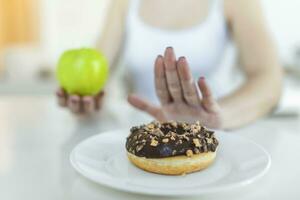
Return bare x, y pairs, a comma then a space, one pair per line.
208, 101
144, 105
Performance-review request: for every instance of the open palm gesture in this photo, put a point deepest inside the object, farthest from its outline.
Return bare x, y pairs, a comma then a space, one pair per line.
179, 94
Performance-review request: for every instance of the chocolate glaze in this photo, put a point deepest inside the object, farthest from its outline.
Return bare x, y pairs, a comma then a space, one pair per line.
160, 140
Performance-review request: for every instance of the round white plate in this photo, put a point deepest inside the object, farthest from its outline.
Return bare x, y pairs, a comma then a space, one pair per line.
102, 158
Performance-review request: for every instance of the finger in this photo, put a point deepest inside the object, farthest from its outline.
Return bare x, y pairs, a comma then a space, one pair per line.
99, 100
173, 82
88, 104
74, 103
145, 106
190, 92
62, 97
161, 81
208, 102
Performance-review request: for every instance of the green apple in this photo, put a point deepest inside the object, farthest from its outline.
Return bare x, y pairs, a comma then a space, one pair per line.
82, 71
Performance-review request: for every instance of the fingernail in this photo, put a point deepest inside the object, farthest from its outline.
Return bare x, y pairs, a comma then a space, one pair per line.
74, 99
181, 58
59, 93
159, 56
87, 101
169, 48
202, 78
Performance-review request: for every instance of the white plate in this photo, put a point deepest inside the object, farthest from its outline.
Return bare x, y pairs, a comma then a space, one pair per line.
102, 158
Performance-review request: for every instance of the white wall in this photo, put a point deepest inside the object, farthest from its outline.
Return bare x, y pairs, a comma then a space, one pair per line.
77, 23
284, 20
71, 24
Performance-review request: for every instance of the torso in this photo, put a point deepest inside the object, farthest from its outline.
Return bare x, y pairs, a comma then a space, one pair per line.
172, 15
200, 34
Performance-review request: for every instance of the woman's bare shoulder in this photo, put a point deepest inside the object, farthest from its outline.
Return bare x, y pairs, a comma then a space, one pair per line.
121, 6
235, 8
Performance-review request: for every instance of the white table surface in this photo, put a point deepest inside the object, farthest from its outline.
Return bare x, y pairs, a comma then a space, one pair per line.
36, 137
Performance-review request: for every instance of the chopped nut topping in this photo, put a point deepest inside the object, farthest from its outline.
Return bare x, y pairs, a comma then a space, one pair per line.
139, 147
195, 128
150, 126
157, 133
174, 124
154, 142
165, 140
156, 124
186, 138
168, 126
173, 134
174, 152
196, 142
209, 140
169, 134
189, 153
181, 138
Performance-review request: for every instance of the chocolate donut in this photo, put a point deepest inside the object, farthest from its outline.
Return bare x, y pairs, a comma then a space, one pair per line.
171, 147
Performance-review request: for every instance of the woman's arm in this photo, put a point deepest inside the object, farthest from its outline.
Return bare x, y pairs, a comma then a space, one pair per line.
110, 44
256, 97
262, 89
112, 36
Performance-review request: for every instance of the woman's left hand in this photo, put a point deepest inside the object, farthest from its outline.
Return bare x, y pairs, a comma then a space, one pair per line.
180, 98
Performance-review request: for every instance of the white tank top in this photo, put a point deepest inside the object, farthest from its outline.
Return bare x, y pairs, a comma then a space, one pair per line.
203, 45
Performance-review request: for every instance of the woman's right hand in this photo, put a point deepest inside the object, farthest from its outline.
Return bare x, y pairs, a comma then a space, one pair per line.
80, 104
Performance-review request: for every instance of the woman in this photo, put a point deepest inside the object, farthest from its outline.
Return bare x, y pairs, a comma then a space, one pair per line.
199, 30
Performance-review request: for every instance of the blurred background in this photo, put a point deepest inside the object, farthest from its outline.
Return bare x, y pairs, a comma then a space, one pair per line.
33, 33
37, 136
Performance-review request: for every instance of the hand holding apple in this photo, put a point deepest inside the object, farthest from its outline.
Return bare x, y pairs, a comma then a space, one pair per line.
82, 74
80, 104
